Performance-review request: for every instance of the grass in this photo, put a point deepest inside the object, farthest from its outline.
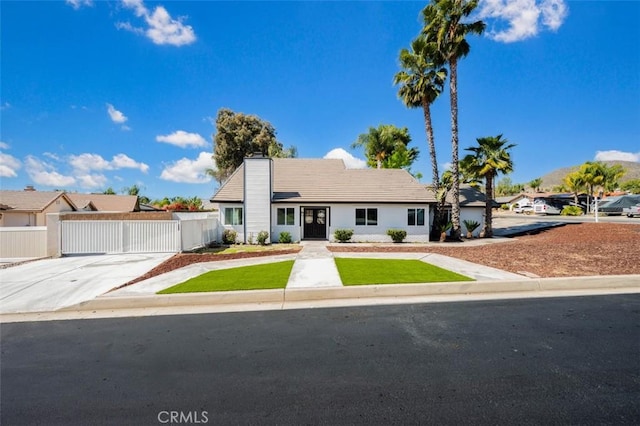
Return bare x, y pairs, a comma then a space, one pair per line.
256, 277
392, 271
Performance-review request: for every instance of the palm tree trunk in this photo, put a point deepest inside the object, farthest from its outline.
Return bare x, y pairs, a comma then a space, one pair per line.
488, 212
435, 177
453, 92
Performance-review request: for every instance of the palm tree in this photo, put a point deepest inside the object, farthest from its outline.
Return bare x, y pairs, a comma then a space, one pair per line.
574, 183
445, 31
487, 160
592, 175
612, 175
535, 184
382, 142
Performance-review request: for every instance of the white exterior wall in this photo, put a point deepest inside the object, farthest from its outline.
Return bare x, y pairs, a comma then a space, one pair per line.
277, 229
257, 196
343, 216
238, 228
472, 213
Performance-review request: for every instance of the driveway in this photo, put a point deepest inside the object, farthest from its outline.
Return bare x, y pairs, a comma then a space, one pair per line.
52, 284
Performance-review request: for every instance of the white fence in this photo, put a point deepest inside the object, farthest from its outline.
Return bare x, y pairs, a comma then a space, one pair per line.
23, 241
135, 236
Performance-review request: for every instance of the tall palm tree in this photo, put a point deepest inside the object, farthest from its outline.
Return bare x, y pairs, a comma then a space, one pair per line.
421, 81
382, 142
486, 161
574, 183
445, 30
592, 174
612, 175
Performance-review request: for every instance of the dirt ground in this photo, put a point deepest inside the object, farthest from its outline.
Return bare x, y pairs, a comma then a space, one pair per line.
580, 249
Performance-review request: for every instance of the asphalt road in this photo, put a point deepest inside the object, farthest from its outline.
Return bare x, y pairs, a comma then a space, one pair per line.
534, 361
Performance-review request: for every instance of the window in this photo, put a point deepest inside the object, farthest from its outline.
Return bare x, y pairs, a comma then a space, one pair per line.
415, 217
233, 216
286, 216
367, 217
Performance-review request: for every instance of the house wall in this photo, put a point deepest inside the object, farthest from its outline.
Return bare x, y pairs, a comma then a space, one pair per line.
466, 213
18, 219
238, 228
60, 205
257, 195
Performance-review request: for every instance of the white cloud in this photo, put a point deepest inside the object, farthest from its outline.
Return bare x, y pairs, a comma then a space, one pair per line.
350, 161
115, 115
44, 174
77, 4
4, 145
121, 161
162, 28
189, 171
446, 166
183, 139
92, 181
86, 162
524, 18
614, 155
9, 165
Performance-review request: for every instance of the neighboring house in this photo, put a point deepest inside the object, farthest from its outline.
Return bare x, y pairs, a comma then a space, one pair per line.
107, 203
472, 206
514, 200
311, 198
30, 207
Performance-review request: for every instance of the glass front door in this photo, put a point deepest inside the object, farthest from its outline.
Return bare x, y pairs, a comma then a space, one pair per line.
315, 223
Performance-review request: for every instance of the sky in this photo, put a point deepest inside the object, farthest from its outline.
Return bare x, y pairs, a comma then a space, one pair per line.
98, 94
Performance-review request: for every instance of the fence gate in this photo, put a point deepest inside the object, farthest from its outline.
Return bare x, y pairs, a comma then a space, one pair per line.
120, 236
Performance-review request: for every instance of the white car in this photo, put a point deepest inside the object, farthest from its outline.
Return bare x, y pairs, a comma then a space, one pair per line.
523, 209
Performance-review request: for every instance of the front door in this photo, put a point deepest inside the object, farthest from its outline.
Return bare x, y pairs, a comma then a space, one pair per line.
315, 223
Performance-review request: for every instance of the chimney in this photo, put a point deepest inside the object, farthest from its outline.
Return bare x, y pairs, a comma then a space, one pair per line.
29, 188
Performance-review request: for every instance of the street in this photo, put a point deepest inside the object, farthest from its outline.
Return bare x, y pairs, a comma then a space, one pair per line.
530, 361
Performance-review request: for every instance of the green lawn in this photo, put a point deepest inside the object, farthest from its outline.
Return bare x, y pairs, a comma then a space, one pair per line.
256, 277
392, 271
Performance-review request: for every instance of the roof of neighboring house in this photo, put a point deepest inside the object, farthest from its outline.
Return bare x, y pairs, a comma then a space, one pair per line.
329, 181
469, 197
32, 201
509, 199
108, 202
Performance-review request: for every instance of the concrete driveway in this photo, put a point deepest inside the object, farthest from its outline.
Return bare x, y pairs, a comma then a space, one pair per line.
51, 284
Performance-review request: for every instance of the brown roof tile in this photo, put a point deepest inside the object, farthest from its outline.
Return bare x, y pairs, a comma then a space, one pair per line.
31, 200
107, 202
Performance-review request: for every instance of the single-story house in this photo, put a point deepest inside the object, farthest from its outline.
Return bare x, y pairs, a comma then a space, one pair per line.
105, 202
312, 198
30, 207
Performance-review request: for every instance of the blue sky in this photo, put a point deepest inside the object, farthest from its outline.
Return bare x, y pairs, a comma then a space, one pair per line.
114, 93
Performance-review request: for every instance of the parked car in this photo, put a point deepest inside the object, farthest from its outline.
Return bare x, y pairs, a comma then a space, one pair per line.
632, 211
523, 209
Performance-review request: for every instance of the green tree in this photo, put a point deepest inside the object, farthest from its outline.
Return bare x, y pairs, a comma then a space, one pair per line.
611, 176
486, 161
592, 175
386, 147
535, 184
574, 183
506, 187
135, 190
632, 186
421, 81
109, 191
239, 136
446, 32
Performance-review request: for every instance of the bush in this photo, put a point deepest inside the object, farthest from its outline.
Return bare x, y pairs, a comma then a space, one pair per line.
505, 207
343, 235
471, 226
285, 238
571, 211
229, 236
397, 235
263, 236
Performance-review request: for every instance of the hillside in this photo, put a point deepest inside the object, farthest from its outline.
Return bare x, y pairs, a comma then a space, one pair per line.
555, 177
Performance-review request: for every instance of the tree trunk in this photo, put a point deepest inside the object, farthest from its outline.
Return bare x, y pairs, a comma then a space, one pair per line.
488, 213
435, 177
453, 91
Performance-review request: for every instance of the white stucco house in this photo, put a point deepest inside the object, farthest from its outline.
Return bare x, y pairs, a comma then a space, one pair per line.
311, 198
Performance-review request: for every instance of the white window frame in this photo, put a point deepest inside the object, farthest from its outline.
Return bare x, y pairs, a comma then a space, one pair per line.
236, 216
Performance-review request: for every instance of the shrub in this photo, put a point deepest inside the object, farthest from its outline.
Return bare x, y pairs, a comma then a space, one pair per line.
397, 235
343, 235
263, 236
250, 238
505, 207
285, 238
571, 211
229, 236
471, 226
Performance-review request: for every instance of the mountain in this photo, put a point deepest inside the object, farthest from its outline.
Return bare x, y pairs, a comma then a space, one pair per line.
555, 177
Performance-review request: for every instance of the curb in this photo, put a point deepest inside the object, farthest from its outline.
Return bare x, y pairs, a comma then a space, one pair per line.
389, 291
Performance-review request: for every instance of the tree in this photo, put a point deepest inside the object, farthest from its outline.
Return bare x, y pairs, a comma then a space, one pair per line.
109, 191
486, 161
592, 175
135, 190
632, 186
611, 176
445, 31
574, 183
421, 81
535, 184
505, 187
386, 147
239, 136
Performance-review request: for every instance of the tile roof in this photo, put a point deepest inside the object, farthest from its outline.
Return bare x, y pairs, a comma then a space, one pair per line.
107, 202
329, 181
469, 197
31, 200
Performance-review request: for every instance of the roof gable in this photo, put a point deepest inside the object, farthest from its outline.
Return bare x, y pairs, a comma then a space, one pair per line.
107, 202
33, 201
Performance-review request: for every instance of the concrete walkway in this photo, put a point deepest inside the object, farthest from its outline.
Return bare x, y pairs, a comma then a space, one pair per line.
314, 267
